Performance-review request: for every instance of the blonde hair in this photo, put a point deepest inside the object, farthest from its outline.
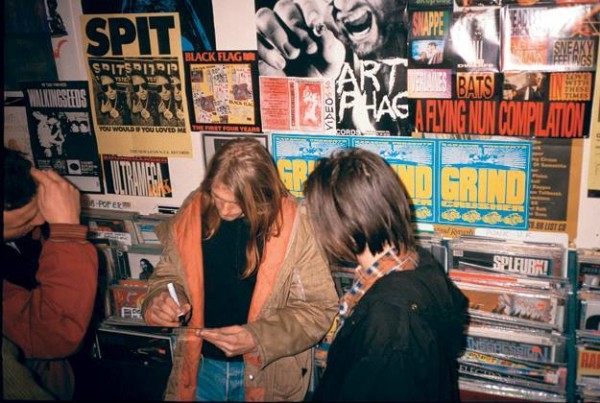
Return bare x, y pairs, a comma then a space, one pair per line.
246, 168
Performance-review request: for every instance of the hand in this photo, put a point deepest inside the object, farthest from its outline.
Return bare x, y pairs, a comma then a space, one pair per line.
164, 311
307, 23
136, 106
57, 199
105, 105
232, 340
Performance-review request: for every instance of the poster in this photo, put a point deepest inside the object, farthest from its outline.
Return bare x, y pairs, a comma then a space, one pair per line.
428, 37
484, 183
63, 20
413, 161
135, 75
223, 90
295, 156
16, 130
429, 75
593, 179
555, 179
197, 20
364, 50
27, 44
549, 38
297, 104
474, 40
137, 176
62, 137
558, 117
538, 84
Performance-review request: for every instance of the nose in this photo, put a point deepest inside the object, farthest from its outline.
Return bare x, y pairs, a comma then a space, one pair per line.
227, 209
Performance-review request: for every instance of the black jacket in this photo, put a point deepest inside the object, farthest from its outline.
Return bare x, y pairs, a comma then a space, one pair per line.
401, 341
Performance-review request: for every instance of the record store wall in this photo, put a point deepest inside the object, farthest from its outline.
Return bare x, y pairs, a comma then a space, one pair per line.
501, 100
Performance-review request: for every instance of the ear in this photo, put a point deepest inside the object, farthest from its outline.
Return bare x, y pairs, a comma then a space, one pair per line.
39, 116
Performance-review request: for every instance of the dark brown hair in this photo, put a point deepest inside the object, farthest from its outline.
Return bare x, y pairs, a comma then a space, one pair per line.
354, 199
247, 169
19, 185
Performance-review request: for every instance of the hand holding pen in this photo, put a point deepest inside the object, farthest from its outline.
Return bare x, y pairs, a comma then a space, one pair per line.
166, 309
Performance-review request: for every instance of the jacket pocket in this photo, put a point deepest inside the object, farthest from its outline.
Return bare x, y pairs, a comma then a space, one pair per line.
291, 377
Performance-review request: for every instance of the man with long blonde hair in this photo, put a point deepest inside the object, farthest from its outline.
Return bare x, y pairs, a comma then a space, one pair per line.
249, 281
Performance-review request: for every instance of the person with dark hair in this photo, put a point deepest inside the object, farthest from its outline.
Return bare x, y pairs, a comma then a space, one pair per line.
178, 96
112, 103
144, 107
166, 104
147, 269
55, 21
48, 285
533, 89
473, 42
342, 40
245, 268
435, 55
400, 327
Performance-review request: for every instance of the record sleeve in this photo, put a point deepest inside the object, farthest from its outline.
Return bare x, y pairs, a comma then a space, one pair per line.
540, 347
474, 274
588, 364
149, 348
590, 314
142, 260
508, 257
128, 300
529, 307
588, 268
546, 373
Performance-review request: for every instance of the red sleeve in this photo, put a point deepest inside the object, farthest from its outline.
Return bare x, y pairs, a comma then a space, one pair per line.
51, 320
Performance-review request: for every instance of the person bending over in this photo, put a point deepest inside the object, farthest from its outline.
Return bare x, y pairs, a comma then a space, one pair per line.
245, 266
399, 328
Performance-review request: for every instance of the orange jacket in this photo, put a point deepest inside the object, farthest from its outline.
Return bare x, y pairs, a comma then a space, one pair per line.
51, 320
292, 306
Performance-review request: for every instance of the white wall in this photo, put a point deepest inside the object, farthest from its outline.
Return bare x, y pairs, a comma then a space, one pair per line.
235, 31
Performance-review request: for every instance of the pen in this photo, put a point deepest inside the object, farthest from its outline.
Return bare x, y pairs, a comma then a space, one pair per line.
173, 295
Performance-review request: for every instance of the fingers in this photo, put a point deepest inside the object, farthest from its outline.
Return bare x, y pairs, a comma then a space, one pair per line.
265, 69
314, 12
165, 311
333, 53
272, 39
298, 34
288, 28
272, 25
58, 200
299, 21
232, 340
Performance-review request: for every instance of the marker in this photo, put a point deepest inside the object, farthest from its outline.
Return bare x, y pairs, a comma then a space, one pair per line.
173, 295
